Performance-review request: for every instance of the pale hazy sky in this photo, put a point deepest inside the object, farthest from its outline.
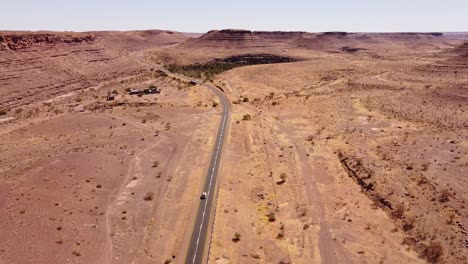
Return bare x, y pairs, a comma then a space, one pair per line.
204, 15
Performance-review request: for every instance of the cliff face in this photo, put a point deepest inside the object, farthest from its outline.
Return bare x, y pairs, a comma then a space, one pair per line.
39, 65
245, 38
326, 41
21, 41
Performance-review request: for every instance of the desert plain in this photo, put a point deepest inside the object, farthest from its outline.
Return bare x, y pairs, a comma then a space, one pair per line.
342, 147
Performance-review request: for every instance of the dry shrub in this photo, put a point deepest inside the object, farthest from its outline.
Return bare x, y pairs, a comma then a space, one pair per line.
149, 196
432, 252
399, 211
271, 217
237, 237
450, 218
444, 196
408, 224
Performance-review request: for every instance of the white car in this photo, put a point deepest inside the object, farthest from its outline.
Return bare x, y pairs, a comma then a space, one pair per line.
203, 196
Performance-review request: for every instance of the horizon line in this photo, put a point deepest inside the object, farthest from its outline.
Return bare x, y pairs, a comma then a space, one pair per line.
170, 30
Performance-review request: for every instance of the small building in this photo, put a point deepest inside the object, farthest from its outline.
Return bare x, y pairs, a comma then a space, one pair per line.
111, 97
134, 91
192, 82
152, 91
148, 91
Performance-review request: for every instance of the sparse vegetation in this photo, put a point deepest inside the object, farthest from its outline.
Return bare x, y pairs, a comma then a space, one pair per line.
432, 252
408, 224
201, 70
210, 69
237, 237
444, 196
399, 211
402, 146
283, 177
281, 232
271, 217
148, 196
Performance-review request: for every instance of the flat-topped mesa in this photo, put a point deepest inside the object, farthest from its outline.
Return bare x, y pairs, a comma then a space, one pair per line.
15, 41
279, 34
334, 34
230, 31
434, 34
227, 35
241, 34
410, 35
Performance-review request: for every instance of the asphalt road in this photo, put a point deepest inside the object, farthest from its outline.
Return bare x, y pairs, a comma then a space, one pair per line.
202, 223
204, 217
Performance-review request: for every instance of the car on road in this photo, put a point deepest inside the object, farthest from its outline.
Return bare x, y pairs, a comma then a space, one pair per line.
203, 196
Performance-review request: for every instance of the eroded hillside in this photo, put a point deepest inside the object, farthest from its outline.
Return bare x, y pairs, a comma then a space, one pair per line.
36, 66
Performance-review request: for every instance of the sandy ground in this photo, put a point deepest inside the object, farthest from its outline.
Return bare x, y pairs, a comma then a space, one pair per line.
309, 121
99, 186
355, 154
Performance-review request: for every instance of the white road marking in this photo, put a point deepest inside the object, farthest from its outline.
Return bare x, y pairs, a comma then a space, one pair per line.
219, 141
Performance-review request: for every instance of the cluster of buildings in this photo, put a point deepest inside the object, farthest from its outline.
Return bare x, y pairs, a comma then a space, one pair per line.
138, 92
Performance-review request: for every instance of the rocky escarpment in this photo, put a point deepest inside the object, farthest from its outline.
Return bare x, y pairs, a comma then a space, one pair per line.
239, 34
21, 41
333, 41
37, 66
244, 38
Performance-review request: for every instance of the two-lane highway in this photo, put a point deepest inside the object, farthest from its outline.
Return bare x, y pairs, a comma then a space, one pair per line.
202, 223
200, 234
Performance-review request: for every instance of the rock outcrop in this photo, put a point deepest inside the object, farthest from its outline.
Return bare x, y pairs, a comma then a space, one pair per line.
22, 40
245, 38
39, 65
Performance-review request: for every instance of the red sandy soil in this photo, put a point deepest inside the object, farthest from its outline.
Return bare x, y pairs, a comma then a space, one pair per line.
88, 179
356, 153
374, 153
